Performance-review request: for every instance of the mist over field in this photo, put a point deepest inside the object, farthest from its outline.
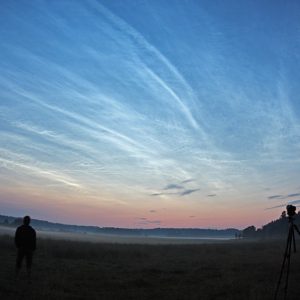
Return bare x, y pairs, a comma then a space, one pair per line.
46, 229
119, 238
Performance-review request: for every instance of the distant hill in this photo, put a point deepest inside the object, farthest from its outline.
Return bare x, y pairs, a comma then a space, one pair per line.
158, 232
274, 229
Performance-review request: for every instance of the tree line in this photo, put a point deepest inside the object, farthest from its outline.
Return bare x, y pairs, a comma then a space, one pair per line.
275, 229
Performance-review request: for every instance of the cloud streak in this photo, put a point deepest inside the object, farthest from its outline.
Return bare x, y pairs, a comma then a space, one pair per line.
188, 192
294, 202
173, 186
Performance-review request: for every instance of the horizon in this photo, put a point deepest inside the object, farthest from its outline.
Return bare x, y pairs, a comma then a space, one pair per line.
148, 113
138, 228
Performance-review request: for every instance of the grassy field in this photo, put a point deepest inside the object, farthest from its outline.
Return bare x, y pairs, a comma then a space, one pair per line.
80, 270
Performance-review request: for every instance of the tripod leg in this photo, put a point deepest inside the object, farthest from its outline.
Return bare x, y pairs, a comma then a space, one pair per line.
283, 263
294, 242
288, 262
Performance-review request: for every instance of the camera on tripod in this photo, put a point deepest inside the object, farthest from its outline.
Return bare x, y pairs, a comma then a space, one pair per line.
290, 244
291, 210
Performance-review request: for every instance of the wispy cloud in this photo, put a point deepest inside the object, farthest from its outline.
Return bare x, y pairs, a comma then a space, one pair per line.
284, 196
137, 37
188, 191
52, 175
176, 189
294, 202
173, 186
275, 197
293, 195
187, 181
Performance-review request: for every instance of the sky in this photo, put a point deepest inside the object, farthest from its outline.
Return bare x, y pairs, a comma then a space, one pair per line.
150, 113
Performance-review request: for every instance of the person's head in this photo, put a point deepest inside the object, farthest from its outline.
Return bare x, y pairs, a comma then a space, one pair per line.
26, 220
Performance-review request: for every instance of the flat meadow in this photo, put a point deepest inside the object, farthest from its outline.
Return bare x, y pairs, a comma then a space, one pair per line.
66, 269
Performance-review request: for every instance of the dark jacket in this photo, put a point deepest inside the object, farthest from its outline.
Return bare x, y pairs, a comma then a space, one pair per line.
25, 238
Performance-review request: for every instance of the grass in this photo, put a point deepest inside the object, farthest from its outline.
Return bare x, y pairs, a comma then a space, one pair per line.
77, 270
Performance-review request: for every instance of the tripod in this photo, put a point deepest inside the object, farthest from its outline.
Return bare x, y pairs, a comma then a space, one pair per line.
287, 257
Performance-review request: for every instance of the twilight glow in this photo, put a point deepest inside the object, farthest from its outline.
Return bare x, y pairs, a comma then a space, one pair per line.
150, 113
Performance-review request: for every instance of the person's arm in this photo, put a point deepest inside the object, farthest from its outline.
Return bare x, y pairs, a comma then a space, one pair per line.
17, 238
34, 240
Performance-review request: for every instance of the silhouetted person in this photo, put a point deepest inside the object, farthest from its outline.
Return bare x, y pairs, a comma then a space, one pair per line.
25, 241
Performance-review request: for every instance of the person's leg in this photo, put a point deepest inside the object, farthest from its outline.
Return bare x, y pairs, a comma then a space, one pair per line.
20, 256
29, 255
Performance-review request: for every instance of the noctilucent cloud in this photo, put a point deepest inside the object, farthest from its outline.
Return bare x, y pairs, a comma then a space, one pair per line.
150, 113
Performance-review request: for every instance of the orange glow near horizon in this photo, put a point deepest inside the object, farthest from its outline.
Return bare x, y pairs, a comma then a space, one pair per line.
113, 213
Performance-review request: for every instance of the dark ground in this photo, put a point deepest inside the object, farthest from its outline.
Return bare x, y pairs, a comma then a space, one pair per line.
76, 270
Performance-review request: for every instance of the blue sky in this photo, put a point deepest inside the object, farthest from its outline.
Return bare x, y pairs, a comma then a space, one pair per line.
150, 113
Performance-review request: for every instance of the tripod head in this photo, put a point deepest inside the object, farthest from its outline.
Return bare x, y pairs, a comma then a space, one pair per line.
291, 210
